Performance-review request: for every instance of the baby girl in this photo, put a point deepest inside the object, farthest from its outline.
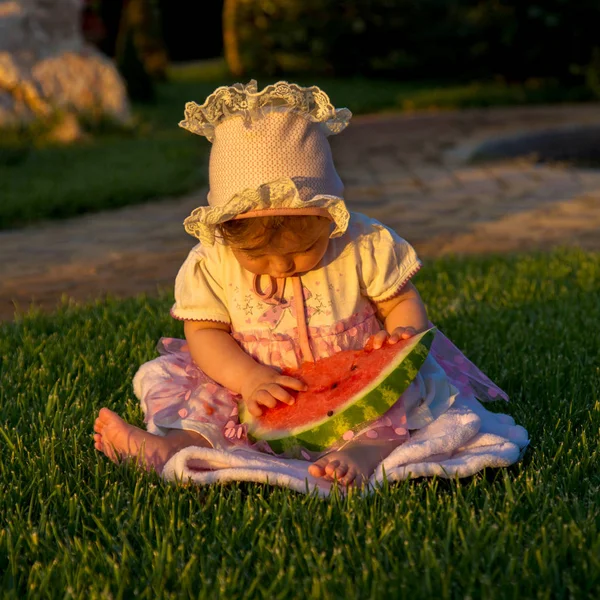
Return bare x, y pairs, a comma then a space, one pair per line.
283, 274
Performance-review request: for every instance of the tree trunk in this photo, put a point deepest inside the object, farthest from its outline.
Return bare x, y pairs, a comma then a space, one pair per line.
230, 38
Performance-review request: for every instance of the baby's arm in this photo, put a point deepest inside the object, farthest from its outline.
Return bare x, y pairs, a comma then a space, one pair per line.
404, 310
403, 315
219, 356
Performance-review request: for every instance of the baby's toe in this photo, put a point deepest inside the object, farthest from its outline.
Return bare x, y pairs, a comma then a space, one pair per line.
331, 467
341, 471
350, 477
317, 469
338, 473
104, 415
107, 416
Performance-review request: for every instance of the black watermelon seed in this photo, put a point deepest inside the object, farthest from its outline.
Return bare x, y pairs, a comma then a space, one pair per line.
330, 413
353, 368
333, 386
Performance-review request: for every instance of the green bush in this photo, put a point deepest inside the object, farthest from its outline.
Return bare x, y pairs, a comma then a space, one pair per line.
434, 39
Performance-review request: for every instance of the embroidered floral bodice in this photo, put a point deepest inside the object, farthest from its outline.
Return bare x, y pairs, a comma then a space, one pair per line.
367, 264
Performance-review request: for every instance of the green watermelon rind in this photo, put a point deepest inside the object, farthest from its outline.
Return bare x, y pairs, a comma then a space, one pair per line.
392, 382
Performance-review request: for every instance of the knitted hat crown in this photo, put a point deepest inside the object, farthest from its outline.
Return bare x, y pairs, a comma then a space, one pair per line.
262, 138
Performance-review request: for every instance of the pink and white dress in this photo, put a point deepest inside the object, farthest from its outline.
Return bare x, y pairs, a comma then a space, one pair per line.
285, 322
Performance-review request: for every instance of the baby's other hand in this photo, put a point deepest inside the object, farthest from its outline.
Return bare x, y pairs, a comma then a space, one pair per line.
266, 387
377, 340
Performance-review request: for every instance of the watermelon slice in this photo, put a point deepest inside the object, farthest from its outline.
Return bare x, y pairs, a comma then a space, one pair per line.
344, 392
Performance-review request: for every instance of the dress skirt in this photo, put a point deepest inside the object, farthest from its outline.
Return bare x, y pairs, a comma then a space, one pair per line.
175, 394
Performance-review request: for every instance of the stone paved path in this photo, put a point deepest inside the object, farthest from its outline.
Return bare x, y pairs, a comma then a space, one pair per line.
408, 171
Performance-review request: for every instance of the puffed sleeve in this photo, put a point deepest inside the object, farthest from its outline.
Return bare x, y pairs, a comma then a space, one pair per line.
386, 262
198, 294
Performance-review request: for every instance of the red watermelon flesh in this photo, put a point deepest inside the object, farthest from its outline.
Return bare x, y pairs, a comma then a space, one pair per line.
367, 382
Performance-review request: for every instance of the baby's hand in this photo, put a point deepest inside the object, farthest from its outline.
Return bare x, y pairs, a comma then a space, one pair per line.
400, 333
266, 387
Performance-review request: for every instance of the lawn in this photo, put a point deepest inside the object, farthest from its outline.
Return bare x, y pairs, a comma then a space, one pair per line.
73, 525
156, 158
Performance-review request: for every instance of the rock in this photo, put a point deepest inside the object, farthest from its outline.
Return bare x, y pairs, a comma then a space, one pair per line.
67, 130
46, 67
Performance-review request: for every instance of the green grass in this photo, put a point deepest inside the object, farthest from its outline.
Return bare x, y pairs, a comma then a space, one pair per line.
115, 168
156, 158
73, 525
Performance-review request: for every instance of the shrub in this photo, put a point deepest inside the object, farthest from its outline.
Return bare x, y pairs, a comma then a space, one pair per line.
442, 39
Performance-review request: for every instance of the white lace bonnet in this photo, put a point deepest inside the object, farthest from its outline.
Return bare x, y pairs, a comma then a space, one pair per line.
270, 155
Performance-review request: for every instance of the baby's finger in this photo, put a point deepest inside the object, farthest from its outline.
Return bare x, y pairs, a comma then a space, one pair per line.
281, 394
375, 341
394, 337
397, 335
379, 339
290, 382
253, 408
265, 397
408, 333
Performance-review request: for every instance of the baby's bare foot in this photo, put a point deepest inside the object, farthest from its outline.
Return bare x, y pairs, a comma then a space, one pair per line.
121, 441
349, 466
355, 464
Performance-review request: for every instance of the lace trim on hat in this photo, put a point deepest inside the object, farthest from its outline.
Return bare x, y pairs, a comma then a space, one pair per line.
245, 101
281, 193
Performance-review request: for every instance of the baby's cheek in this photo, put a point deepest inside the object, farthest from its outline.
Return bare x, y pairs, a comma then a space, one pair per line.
256, 266
308, 262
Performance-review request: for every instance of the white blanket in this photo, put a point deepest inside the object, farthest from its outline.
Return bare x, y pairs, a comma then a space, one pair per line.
460, 442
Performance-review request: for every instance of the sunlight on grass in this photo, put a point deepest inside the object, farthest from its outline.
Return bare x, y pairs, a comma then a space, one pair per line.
154, 159
72, 524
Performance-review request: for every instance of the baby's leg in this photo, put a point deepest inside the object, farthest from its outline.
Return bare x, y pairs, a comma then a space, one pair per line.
120, 441
356, 462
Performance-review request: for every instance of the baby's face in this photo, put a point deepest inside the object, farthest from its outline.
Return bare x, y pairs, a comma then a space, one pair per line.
294, 255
